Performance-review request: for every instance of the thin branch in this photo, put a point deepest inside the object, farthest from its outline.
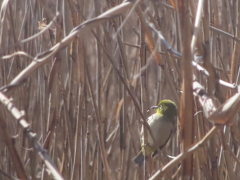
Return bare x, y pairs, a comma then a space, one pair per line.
19, 116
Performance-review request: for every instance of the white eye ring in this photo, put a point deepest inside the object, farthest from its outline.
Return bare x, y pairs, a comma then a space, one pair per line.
160, 106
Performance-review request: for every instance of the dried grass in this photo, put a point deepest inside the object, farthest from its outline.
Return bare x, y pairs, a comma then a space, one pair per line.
85, 73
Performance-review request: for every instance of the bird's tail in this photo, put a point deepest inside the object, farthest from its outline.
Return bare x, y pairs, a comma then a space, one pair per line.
139, 159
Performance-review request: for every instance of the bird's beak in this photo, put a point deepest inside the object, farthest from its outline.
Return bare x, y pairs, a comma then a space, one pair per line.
154, 107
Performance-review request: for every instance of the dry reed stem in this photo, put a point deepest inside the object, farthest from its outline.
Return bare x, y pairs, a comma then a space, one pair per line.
19, 116
186, 110
46, 48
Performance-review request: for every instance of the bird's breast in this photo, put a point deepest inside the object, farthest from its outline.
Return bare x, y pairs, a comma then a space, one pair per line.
161, 128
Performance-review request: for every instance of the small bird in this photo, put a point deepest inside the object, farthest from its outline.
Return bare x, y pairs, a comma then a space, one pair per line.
162, 124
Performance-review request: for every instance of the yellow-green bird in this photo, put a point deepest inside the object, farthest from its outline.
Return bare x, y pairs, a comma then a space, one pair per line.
162, 124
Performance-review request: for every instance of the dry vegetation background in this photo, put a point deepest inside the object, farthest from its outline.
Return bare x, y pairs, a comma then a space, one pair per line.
85, 97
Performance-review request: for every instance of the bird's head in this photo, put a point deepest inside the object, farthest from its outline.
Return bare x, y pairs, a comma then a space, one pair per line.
166, 107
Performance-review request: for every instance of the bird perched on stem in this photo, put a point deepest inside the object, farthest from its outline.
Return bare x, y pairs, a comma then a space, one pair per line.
162, 124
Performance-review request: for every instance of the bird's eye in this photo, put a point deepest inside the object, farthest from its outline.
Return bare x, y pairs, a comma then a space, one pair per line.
160, 106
